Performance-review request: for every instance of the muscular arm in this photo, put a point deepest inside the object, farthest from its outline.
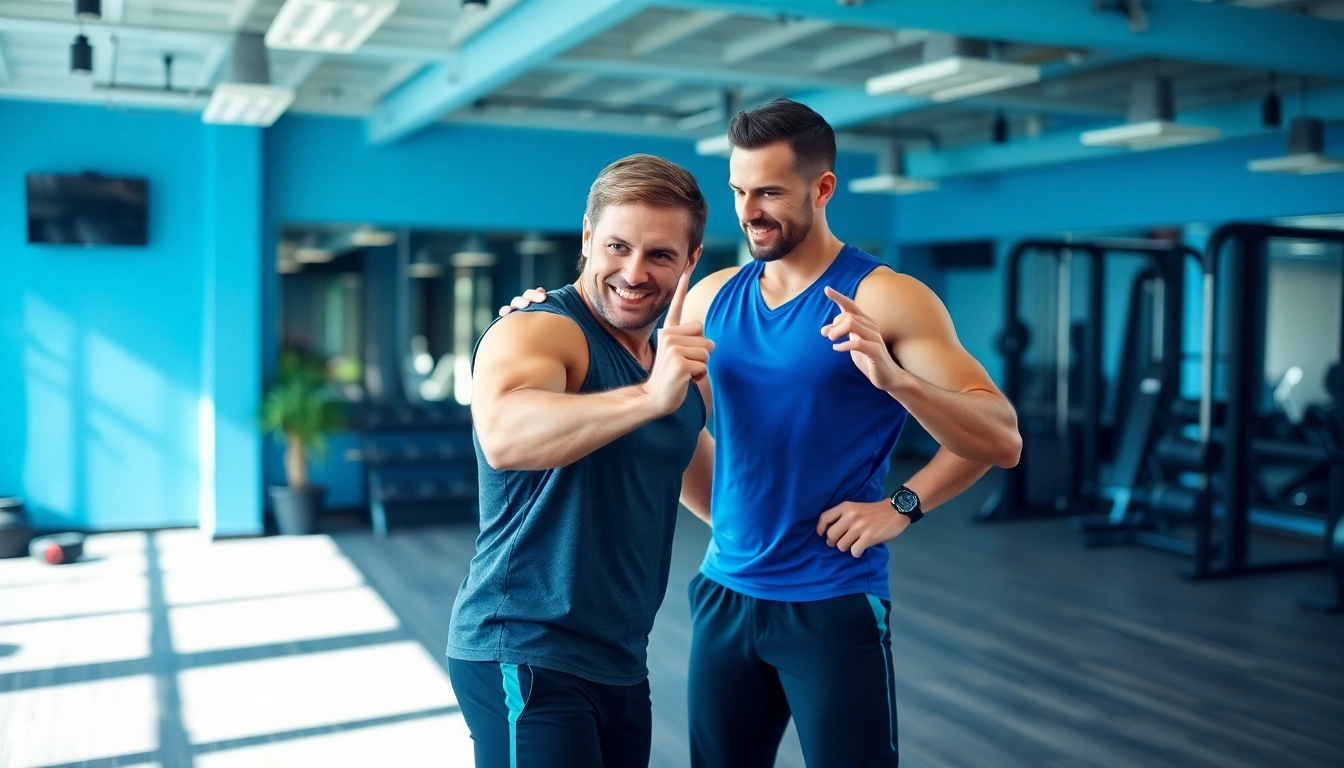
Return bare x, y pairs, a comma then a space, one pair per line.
937, 380
528, 370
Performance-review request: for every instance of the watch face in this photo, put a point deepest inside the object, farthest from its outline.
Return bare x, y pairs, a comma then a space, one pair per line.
906, 501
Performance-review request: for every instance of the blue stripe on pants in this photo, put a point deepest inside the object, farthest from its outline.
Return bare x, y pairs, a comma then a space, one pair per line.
880, 612
513, 699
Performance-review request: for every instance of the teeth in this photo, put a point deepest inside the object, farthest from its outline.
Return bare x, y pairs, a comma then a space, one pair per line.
629, 295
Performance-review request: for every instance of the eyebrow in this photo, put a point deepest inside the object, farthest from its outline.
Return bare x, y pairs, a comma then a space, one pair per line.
672, 249
767, 188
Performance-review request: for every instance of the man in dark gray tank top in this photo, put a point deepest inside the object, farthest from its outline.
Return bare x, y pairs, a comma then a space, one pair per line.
584, 426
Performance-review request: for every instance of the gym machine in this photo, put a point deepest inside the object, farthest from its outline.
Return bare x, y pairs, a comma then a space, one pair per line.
1059, 393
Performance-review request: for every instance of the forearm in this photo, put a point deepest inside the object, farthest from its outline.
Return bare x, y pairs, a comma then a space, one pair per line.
697, 482
978, 426
944, 478
536, 429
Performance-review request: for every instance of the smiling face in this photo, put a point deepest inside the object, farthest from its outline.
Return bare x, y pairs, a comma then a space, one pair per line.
634, 255
773, 202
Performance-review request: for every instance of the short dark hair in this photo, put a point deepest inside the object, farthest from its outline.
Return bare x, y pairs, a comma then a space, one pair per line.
809, 135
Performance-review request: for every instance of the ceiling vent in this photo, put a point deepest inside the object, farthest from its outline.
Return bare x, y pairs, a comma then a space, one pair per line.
1152, 115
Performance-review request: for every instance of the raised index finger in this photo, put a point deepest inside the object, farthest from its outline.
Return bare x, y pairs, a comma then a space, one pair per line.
845, 303
678, 300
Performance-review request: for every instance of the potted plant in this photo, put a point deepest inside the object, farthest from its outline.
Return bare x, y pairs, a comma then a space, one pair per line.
299, 410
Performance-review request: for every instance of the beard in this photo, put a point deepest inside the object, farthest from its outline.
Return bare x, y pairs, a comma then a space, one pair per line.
791, 233
623, 319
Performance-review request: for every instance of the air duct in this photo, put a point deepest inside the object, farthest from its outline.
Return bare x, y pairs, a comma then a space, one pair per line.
246, 97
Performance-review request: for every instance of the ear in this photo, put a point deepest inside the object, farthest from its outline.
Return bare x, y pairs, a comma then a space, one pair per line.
823, 189
695, 259
587, 235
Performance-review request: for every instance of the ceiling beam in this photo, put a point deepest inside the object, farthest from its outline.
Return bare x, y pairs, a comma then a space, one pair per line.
787, 32
4, 67
848, 107
302, 69
1215, 33
1236, 121
567, 85
470, 24
398, 74
709, 75
675, 31
637, 93
516, 43
852, 52
240, 13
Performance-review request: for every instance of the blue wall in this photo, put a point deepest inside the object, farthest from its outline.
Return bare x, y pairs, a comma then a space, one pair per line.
100, 348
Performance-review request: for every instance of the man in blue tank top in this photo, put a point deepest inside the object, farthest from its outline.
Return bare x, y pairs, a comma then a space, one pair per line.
584, 428
822, 354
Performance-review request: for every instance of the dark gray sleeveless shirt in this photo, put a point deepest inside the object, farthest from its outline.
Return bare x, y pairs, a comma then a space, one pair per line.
571, 563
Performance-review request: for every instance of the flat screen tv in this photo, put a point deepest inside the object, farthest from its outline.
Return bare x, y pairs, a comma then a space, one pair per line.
87, 210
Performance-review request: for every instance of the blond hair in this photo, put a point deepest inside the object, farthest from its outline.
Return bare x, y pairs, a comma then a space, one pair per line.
652, 181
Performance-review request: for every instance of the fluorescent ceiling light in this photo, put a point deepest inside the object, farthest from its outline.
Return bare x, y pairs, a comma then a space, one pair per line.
369, 237
1306, 145
891, 178
1152, 122
424, 269
1150, 134
246, 104
714, 145
311, 254
891, 184
955, 77
331, 26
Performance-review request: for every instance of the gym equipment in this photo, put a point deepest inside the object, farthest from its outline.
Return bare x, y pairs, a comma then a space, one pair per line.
14, 530
1057, 385
59, 548
1242, 249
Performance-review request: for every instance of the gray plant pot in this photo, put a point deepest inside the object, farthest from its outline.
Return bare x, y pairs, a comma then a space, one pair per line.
297, 510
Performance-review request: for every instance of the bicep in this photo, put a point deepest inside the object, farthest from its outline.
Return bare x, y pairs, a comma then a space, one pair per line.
924, 342
519, 353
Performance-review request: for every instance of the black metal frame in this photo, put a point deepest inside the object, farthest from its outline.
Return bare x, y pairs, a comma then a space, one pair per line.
1245, 381
1169, 259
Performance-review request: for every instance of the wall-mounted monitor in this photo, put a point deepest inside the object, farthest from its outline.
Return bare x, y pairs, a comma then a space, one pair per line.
87, 210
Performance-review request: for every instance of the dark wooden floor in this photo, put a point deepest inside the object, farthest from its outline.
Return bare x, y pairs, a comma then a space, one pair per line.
1014, 646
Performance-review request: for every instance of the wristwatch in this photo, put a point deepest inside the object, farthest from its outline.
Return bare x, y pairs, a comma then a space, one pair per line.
906, 502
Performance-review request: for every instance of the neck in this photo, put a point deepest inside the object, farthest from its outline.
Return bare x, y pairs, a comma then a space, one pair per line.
809, 258
635, 341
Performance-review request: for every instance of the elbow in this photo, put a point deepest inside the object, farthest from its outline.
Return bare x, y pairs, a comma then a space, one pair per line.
1011, 451
499, 452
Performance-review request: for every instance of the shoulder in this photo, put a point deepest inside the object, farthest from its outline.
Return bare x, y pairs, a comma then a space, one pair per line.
702, 294
898, 301
534, 333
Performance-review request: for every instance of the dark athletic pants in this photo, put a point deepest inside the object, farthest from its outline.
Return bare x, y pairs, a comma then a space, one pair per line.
756, 662
523, 716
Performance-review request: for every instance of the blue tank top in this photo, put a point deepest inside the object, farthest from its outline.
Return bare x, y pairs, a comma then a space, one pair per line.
571, 563
798, 429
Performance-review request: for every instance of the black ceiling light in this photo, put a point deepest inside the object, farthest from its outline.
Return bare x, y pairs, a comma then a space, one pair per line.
89, 9
81, 56
474, 5
1271, 109
1000, 128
